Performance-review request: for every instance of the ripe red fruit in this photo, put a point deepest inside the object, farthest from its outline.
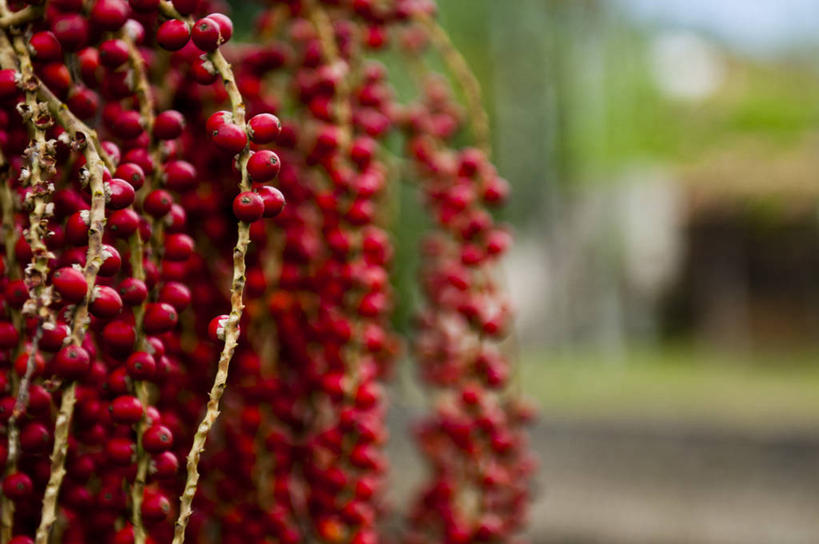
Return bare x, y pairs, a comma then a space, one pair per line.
45, 46
169, 125
203, 71
230, 137
264, 128
157, 438
155, 506
248, 207
176, 294
128, 124
120, 451
159, 317
16, 293
179, 175
164, 465
83, 102
118, 336
217, 119
185, 7
105, 302
178, 247
123, 223
71, 30
17, 485
144, 6
225, 25
112, 261
141, 365
133, 291
126, 410
206, 34
119, 193
132, 173
71, 362
272, 198
22, 361
53, 336
109, 14
263, 166
70, 283
35, 438
157, 203
8, 83
113, 53
216, 328
173, 35
57, 77
8, 335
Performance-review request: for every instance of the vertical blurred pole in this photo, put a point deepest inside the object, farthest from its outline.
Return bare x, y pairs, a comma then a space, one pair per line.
527, 128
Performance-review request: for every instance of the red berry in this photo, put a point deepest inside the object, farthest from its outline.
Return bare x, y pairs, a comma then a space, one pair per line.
225, 25
123, 223
173, 35
126, 410
70, 283
17, 485
53, 336
71, 362
176, 294
217, 119
128, 124
178, 247
35, 438
264, 128
206, 34
120, 451
169, 125
159, 317
157, 438
158, 203
105, 302
263, 166
155, 506
111, 261
179, 175
216, 328
8, 83
113, 53
8, 335
133, 291
119, 336
185, 7
272, 198
71, 30
203, 71
119, 193
45, 46
141, 365
144, 6
164, 465
109, 14
230, 137
83, 102
248, 207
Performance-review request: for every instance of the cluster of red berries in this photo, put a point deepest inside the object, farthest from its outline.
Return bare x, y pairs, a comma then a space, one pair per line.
150, 266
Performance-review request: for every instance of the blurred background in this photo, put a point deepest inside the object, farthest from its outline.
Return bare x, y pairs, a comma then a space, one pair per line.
664, 157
